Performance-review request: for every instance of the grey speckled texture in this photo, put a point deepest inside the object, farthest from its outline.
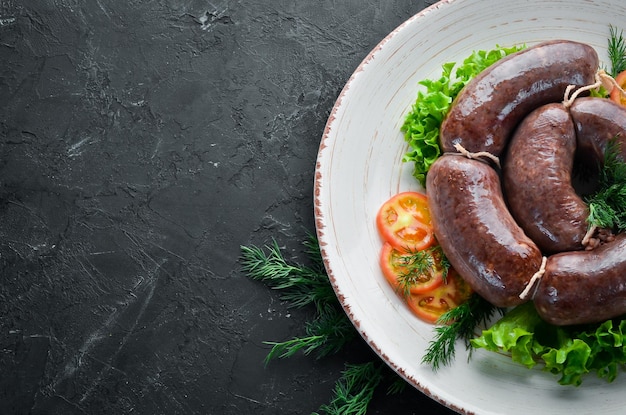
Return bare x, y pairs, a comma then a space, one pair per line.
142, 142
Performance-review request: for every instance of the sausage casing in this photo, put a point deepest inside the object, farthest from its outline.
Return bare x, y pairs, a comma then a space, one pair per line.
584, 286
537, 178
477, 233
597, 122
490, 106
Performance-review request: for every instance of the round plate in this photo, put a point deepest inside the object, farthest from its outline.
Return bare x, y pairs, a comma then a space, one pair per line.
359, 167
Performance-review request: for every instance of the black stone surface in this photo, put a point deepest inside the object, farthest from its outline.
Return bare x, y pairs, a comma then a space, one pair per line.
143, 142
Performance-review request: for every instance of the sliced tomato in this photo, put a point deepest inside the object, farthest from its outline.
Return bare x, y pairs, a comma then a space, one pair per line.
616, 94
404, 222
402, 271
431, 305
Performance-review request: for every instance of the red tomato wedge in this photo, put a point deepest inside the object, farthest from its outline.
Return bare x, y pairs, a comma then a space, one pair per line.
431, 305
616, 94
403, 270
404, 222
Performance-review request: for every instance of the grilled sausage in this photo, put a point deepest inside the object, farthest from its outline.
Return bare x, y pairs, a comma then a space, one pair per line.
597, 121
537, 178
477, 233
584, 286
490, 106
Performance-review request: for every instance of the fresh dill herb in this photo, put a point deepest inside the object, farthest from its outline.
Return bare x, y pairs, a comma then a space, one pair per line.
419, 266
300, 285
355, 389
330, 330
617, 51
326, 334
457, 323
397, 386
607, 207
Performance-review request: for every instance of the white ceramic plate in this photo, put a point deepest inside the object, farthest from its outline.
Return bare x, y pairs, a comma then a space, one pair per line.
359, 167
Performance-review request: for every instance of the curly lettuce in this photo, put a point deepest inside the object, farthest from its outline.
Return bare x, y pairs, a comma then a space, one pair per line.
570, 352
421, 125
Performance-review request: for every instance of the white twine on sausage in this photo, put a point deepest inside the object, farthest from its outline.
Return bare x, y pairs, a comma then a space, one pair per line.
602, 80
477, 155
592, 229
534, 279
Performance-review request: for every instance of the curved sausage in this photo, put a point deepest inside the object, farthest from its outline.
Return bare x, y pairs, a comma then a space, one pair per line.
490, 106
597, 121
585, 286
476, 231
537, 179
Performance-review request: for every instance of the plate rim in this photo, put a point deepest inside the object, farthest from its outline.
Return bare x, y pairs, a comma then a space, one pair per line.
319, 217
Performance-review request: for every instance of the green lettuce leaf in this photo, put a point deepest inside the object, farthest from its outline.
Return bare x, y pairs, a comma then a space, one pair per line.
421, 125
570, 352
513, 333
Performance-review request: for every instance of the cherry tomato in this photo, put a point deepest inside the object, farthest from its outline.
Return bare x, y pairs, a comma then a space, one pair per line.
402, 269
615, 93
404, 222
433, 304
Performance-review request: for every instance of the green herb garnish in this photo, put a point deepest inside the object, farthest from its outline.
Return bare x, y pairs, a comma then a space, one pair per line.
421, 125
355, 389
419, 266
458, 323
607, 207
301, 285
617, 51
327, 333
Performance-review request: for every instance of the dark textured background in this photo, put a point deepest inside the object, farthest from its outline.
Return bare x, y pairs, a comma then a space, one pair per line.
143, 142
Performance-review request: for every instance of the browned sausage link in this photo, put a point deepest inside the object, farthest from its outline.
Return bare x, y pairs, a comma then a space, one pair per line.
584, 286
537, 181
476, 231
597, 121
491, 105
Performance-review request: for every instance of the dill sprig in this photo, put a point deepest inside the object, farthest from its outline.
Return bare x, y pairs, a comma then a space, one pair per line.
329, 331
617, 51
354, 391
326, 334
457, 323
418, 266
607, 206
301, 285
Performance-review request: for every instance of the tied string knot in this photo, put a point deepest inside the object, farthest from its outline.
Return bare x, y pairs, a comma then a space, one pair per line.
477, 155
534, 279
592, 229
602, 79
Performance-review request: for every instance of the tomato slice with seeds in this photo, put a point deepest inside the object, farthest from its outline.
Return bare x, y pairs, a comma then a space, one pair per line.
410, 272
616, 95
431, 305
404, 222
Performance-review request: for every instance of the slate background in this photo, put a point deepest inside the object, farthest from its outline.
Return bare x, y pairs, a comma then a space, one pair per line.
142, 143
